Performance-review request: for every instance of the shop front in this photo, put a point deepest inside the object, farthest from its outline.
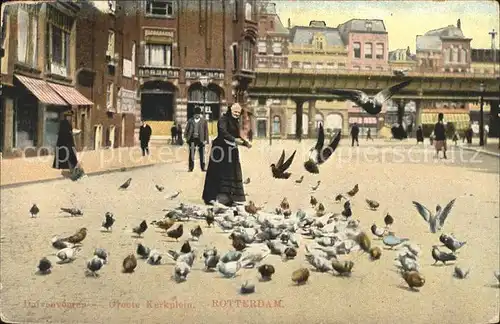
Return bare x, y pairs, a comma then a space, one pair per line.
365, 123
460, 120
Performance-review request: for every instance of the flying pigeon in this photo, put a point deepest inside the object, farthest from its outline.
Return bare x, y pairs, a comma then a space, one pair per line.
279, 169
319, 154
436, 222
372, 105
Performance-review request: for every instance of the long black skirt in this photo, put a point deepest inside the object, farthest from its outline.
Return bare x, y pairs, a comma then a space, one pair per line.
223, 173
65, 158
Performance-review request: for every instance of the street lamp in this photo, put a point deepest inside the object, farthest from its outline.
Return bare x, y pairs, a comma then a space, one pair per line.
481, 115
204, 81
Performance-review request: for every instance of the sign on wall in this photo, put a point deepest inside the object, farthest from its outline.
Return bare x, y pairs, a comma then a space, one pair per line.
126, 101
127, 68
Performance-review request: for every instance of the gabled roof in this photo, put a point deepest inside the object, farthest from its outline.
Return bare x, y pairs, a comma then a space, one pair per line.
302, 35
362, 25
448, 31
269, 9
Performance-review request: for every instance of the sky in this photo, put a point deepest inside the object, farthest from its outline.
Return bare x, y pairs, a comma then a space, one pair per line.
403, 20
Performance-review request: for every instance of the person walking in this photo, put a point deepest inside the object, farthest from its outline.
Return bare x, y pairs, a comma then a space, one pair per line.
180, 141
420, 134
440, 136
65, 151
197, 137
224, 179
173, 133
144, 137
355, 133
369, 134
456, 137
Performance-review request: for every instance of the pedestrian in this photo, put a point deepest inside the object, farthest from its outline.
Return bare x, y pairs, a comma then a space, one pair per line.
144, 137
420, 134
369, 135
173, 132
180, 141
224, 179
455, 138
196, 138
486, 132
431, 138
440, 136
355, 133
250, 134
469, 133
65, 151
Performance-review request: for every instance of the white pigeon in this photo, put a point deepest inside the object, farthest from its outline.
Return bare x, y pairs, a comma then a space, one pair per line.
413, 248
319, 263
230, 269
254, 255
154, 257
181, 270
101, 253
436, 221
67, 255
95, 264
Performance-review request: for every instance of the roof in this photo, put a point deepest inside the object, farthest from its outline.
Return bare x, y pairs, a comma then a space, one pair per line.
269, 9
362, 25
426, 43
41, 90
302, 35
393, 55
449, 31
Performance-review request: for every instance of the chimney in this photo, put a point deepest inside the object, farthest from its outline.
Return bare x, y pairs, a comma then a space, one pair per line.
289, 23
459, 24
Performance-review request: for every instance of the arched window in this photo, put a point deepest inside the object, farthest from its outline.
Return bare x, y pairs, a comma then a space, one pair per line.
447, 55
463, 55
368, 50
357, 50
133, 58
276, 125
318, 120
247, 55
248, 11
454, 54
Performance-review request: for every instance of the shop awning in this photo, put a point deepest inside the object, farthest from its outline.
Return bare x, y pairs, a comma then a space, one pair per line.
460, 120
71, 95
42, 91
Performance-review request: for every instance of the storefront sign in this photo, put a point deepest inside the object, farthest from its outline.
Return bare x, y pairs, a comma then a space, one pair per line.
127, 68
126, 101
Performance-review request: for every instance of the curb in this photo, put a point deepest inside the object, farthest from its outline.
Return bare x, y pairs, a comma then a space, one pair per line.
481, 151
90, 174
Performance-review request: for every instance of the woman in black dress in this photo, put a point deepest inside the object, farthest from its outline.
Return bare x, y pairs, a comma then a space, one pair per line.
65, 153
420, 134
224, 180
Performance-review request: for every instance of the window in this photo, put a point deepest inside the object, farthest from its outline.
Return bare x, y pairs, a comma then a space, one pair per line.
368, 68
112, 6
454, 54
111, 44
463, 56
234, 48
277, 48
271, 25
307, 65
379, 68
357, 50
109, 96
247, 55
262, 48
59, 50
447, 55
160, 8
330, 65
319, 65
27, 26
380, 51
276, 125
261, 101
133, 58
295, 64
368, 50
368, 26
356, 68
248, 11
236, 9
341, 65
276, 65
159, 55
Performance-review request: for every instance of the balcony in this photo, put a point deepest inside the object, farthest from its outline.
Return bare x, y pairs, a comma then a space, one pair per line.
156, 71
214, 74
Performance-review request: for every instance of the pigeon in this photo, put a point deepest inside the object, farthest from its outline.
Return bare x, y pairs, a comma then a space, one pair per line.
179, 257
164, 224
363, 241
175, 195
444, 257
388, 220
279, 169
266, 271
347, 212
210, 217
176, 233
436, 222
109, 221
413, 278
34, 210
196, 233
319, 154
143, 251
392, 241
372, 204
159, 188
320, 210
181, 271
319, 263
342, 268
339, 197
497, 275
314, 188
313, 201
408, 264
375, 253
299, 180
354, 191
102, 254
414, 249
139, 230
251, 208
154, 258
72, 211
453, 244
377, 231
238, 243
247, 288
300, 276
44, 266
372, 105
95, 264
442, 238
60, 244
229, 269
211, 261
67, 255
77, 237
126, 184
231, 256
461, 273
247, 181
186, 248
129, 263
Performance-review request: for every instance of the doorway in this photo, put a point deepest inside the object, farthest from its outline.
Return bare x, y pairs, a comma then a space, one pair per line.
261, 128
111, 136
97, 137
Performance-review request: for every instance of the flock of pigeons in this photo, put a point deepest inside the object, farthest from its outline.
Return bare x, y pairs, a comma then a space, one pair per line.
328, 239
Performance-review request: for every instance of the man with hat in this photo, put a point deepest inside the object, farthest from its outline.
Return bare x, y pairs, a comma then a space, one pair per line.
196, 136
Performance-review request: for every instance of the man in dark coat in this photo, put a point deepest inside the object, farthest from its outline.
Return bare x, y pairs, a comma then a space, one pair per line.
144, 137
355, 133
65, 154
440, 135
420, 134
173, 133
196, 137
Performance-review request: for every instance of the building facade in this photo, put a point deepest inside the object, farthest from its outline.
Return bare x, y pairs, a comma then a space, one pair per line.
39, 70
368, 43
444, 50
177, 49
272, 45
402, 60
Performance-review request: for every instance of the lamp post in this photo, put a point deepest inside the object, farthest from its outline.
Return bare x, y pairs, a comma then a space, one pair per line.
204, 84
481, 115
